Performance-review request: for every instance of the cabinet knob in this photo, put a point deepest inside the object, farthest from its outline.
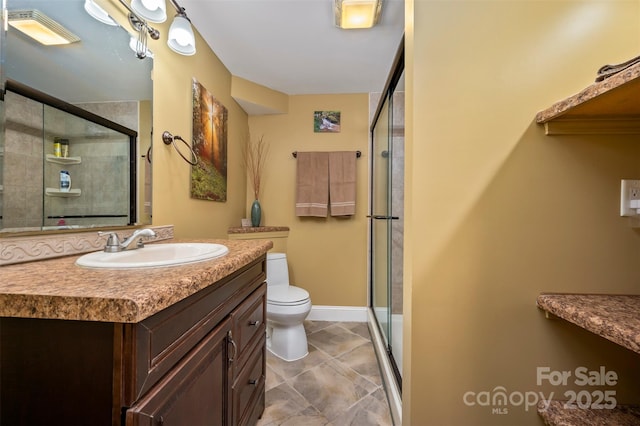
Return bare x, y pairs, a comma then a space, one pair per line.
253, 382
254, 323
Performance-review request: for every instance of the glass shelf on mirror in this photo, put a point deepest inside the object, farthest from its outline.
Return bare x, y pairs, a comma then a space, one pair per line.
63, 160
55, 192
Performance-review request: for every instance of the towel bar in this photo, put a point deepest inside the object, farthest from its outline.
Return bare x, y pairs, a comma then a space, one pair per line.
295, 154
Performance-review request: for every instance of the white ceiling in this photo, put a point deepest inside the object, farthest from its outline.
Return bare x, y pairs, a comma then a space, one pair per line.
292, 46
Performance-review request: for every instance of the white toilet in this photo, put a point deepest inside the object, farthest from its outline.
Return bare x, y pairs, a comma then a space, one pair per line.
287, 307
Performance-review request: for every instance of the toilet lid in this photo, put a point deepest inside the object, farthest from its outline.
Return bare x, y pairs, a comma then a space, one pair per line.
287, 295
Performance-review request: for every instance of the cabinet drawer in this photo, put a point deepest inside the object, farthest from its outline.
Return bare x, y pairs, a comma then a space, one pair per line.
249, 319
248, 388
162, 340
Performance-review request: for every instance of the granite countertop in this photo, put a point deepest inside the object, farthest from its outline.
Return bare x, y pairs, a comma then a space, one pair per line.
607, 95
58, 289
558, 415
255, 229
614, 317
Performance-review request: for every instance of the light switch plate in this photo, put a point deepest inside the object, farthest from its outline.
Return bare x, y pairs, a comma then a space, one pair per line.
629, 191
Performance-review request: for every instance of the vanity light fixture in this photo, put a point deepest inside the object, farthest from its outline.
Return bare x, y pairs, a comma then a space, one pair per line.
150, 10
98, 13
181, 38
138, 46
141, 26
353, 14
40, 27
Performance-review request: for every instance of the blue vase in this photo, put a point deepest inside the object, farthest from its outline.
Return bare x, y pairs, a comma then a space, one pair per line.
256, 213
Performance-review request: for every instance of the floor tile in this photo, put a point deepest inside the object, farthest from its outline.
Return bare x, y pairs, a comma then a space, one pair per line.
337, 384
335, 340
283, 402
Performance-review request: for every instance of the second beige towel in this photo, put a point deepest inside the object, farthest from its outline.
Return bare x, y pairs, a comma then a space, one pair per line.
342, 183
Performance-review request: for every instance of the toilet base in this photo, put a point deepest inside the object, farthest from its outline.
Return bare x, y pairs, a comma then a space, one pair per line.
287, 342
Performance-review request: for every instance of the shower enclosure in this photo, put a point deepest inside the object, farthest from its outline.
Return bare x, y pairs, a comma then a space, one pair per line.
386, 219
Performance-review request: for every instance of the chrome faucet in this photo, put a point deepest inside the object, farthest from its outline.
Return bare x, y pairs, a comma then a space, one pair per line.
134, 241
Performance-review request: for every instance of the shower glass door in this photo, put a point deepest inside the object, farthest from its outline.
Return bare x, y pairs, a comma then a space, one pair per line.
387, 212
380, 231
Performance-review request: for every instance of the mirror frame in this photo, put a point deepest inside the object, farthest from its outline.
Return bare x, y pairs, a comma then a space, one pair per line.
38, 96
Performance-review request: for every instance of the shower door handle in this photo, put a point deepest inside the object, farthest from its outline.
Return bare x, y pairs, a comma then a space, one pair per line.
380, 217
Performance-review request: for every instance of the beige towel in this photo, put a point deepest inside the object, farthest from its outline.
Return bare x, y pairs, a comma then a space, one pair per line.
342, 183
312, 184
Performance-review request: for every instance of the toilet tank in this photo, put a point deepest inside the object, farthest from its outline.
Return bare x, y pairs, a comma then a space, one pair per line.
277, 270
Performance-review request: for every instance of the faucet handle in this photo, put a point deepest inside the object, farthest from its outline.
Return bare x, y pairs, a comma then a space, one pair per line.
113, 242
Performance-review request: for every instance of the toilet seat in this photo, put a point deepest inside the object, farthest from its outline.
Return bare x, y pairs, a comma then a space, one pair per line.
287, 295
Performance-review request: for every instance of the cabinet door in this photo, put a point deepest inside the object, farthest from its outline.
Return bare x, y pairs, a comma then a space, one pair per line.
195, 392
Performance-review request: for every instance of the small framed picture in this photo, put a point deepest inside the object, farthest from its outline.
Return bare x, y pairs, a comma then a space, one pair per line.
326, 121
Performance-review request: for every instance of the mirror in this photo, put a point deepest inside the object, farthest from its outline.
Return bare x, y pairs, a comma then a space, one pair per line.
101, 75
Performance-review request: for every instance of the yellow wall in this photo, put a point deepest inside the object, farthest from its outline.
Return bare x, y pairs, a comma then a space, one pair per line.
326, 256
258, 97
172, 109
497, 212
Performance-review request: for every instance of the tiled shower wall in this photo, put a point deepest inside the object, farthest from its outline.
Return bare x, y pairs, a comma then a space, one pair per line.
23, 159
397, 207
26, 174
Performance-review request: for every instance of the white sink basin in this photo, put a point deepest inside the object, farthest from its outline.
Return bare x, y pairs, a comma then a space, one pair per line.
153, 256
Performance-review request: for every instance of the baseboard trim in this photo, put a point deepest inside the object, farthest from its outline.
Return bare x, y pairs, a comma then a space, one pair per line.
338, 313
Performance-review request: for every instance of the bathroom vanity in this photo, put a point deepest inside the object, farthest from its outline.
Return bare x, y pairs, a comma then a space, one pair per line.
163, 346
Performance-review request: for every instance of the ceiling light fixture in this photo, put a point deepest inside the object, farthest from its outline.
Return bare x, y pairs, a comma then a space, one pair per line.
98, 13
40, 27
353, 14
181, 38
150, 10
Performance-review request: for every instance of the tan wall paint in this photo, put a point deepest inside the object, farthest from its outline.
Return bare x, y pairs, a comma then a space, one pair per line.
497, 212
172, 111
408, 247
258, 95
326, 256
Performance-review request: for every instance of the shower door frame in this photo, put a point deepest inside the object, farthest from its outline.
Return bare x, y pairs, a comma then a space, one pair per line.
387, 100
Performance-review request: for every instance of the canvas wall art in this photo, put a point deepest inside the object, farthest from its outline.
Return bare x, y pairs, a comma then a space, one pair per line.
209, 175
326, 121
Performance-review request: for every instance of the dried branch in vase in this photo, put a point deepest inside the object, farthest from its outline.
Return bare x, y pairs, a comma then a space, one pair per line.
254, 155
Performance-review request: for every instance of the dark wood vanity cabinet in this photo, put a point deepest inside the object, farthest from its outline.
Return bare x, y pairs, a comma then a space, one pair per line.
200, 361
248, 366
194, 392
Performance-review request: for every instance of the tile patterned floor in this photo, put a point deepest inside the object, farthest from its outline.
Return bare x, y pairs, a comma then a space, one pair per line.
337, 384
